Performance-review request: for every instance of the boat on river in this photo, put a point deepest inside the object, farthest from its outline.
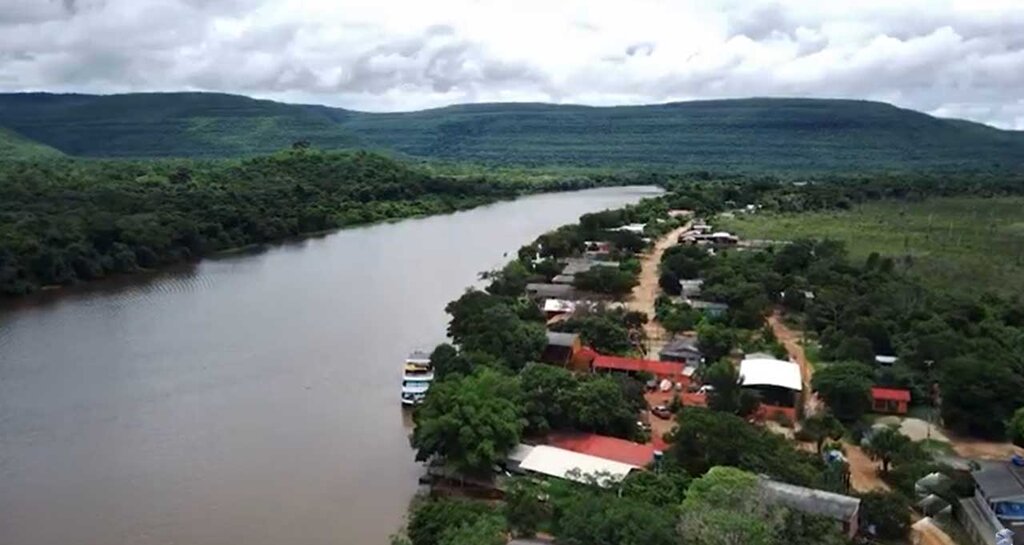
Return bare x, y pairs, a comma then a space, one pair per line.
417, 374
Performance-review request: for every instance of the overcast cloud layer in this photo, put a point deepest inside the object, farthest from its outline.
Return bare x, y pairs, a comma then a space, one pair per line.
950, 58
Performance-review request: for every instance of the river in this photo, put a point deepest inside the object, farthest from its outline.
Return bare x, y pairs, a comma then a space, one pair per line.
250, 399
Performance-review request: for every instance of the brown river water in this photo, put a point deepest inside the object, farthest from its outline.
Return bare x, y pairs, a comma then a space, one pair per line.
245, 400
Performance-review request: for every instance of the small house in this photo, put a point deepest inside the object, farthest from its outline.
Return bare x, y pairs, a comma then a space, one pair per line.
778, 383
708, 308
844, 510
690, 288
557, 307
671, 371
682, 349
550, 291
886, 360
890, 400
565, 464
560, 348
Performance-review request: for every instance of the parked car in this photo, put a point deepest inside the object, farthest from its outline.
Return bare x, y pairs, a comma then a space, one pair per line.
662, 412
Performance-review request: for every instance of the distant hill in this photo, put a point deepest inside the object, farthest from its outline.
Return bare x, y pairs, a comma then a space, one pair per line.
774, 134
15, 146
168, 124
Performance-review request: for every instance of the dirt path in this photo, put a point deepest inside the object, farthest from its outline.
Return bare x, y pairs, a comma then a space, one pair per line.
644, 294
863, 470
791, 340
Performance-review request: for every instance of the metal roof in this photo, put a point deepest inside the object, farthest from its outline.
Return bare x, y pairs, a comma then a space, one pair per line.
602, 446
556, 338
810, 500
1000, 481
771, 372
550, 290
566, 464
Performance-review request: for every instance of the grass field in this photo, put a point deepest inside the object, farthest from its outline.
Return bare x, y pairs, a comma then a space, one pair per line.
969, 244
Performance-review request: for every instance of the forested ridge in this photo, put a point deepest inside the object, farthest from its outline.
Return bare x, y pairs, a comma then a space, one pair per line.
752, 135
64, 221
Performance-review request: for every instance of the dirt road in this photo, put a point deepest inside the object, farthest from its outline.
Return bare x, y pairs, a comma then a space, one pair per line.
644, 294
863, 470
791, 340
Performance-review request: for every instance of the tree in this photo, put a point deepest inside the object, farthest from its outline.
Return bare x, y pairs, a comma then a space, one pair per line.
445, 360
669, 283
609, 280
1016, 427
727, 393
510, 281
665, 487
886, 444
524, 510
430, 519
485, 530
600, 406
703, 439
727, 506
604, 331
502, 334
472, 422
547, 397
979, 395
820, 427
600, 518
888, 513
846, 388
715, 341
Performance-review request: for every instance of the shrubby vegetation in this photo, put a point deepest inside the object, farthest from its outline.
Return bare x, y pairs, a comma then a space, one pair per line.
65, 221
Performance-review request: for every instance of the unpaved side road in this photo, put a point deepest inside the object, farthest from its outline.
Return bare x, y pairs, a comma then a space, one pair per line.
644, 294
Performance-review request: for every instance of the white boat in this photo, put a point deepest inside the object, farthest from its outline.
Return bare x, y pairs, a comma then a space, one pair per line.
417, 374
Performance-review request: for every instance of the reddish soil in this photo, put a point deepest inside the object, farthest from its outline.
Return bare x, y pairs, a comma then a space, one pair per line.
644, 294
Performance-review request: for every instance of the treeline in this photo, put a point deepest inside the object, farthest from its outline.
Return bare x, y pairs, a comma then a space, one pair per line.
66, 221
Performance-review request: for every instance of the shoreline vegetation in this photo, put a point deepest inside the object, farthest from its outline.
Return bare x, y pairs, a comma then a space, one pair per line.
69, 221
496, 387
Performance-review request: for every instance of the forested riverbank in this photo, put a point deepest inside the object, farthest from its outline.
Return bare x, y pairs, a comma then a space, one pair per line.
64, 221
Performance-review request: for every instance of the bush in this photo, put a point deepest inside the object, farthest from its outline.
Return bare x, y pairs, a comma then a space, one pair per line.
887, 512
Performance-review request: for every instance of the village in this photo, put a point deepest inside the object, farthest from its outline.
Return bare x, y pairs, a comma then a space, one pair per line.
772, 369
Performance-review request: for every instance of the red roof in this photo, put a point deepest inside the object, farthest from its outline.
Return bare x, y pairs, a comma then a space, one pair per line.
656, 368
890, 394
609, 448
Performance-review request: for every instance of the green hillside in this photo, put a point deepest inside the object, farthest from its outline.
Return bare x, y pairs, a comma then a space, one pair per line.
14, 146
774, 134
168, 124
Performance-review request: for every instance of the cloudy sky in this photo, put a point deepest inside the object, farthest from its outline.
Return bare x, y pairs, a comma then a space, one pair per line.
957, 58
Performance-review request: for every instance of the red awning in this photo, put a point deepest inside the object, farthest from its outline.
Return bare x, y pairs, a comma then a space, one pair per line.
890, 394
609, 448
656, 368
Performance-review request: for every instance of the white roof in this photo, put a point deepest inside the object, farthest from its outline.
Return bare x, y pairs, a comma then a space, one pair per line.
888, 360
771, 372
559, 305
566, 464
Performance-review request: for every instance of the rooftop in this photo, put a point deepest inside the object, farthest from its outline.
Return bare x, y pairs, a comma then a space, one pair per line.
681, 344
550, 290
812, 501
559, 305
566, 464
890, 394
657, 368
771, 372
556, 338
611, 448
1000, 480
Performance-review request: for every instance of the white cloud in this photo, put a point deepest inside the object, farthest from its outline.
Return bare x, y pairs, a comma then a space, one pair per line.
948, 57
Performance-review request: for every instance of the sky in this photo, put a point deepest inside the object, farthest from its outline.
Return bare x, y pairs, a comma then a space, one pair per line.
955, 58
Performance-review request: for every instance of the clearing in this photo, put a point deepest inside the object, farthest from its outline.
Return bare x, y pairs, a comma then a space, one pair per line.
953, 243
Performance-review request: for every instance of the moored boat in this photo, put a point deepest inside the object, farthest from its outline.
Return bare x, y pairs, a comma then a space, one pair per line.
417, 374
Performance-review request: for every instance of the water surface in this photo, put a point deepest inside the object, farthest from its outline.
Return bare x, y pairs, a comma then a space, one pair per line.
247, 400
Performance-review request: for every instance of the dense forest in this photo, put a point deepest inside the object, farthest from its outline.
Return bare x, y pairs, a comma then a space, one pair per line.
781, 135
64, 221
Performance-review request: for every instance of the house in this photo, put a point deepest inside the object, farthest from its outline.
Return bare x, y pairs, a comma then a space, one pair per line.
682, 349
890, 400
576, 265
564, 279
556, 307
635, 228
998, 501
550, 291
844, 510
778, 383
708, 308
690, 288
566, 464
561, 348
602, 446
674, 372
